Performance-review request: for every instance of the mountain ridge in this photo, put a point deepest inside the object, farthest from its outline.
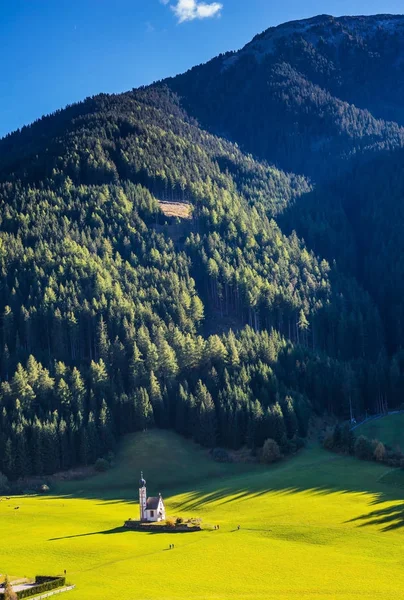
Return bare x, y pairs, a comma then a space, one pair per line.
386, 22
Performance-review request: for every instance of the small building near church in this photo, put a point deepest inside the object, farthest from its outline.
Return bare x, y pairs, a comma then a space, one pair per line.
152, 509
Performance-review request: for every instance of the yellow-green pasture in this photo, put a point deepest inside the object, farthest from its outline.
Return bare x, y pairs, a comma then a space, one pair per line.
315, 526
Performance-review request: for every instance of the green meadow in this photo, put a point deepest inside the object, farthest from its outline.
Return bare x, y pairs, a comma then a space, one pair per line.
389, 430
316, 526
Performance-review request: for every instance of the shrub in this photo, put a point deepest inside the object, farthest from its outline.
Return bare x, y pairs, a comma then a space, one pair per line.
9, 593
363, 448
221, 455
347, 439
4, 485
299, 441
110, 457
101, 465
293, 445
270, 451
328, 441
337, 435
179, 520
392, 454
170, 522
340, 439
380, 452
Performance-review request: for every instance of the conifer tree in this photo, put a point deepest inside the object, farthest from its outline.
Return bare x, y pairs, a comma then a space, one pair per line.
9, 593
156, 399
206, 433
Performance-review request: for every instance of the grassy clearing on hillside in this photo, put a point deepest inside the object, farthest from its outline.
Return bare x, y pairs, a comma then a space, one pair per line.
389, 430
319, 525
181, 210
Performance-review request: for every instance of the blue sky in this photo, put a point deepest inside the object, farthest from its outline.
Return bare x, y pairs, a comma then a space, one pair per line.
56, 52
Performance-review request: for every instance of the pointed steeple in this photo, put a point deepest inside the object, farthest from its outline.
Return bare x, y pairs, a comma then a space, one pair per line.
142, 497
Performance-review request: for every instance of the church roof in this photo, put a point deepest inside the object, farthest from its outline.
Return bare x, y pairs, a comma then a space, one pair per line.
152, 503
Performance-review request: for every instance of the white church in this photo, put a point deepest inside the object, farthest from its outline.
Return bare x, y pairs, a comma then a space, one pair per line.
152, 509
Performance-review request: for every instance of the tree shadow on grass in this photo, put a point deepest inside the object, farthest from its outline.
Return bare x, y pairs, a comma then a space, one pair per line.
312, 472
389, 518
105, 532
122, 529
227, 495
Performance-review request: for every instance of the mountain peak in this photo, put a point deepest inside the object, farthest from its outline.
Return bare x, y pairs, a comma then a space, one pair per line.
332, 30
357, 24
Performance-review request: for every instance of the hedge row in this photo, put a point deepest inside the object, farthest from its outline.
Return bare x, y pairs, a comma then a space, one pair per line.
42, 584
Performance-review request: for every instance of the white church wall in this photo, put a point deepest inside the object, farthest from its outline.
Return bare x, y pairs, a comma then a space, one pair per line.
158, 514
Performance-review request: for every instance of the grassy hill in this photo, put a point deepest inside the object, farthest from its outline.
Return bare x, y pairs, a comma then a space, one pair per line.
389, 430
317, 525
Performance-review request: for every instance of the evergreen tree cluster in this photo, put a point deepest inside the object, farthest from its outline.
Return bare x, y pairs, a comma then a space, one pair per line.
216, 390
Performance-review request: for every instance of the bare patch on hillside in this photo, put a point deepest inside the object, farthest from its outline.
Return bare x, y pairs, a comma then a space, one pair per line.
181, 210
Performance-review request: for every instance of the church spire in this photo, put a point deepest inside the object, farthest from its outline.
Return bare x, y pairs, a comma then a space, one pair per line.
142, 497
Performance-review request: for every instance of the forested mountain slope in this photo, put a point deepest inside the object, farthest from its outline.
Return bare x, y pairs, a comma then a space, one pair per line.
104, 299
309, 95
358, 220
323, 97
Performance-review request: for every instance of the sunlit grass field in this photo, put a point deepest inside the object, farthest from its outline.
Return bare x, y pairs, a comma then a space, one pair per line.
315, 526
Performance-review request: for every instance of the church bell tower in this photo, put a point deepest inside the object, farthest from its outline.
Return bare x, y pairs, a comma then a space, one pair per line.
142, 497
